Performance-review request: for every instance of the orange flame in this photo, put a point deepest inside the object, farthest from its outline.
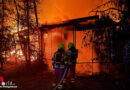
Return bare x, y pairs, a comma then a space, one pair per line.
85, 53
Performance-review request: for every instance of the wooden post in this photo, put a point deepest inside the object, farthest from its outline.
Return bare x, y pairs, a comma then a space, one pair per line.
74, 36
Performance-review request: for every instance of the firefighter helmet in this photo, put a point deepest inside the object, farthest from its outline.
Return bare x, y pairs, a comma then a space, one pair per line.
61, 46
70, 45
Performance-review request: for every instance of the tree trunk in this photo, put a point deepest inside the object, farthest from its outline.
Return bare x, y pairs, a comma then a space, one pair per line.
2, 24
40, 57
18, 18
26, 44
28, 34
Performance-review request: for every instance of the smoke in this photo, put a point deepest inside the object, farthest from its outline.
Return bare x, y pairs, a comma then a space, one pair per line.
53, 11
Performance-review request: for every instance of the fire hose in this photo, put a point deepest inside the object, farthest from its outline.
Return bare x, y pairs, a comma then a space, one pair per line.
61, 79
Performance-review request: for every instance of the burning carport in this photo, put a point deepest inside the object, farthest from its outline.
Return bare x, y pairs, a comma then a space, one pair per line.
80, 32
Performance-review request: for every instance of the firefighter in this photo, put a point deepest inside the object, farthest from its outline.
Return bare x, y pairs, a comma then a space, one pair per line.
58, 64
72, 54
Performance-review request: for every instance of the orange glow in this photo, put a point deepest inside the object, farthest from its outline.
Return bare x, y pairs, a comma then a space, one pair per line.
85, 54
16, 55
46, 35
18, 52
53, 11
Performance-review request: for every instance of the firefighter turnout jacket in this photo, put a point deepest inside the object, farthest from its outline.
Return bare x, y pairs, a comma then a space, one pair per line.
59, 59
72, 55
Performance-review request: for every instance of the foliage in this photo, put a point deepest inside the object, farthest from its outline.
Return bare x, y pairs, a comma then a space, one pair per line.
111, 35
6, 38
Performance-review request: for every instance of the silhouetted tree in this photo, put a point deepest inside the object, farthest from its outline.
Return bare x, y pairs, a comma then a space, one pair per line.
25, 12
6, 38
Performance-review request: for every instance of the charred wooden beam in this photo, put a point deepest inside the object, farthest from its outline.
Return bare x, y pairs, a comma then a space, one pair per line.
73, 22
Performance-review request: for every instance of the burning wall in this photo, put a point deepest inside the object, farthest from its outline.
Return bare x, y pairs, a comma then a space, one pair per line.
60, 35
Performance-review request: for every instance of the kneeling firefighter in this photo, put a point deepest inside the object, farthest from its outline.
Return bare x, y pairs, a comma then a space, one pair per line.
58, 61
72, 54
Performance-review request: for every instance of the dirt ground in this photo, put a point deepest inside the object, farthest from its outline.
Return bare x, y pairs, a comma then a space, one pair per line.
41, 79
